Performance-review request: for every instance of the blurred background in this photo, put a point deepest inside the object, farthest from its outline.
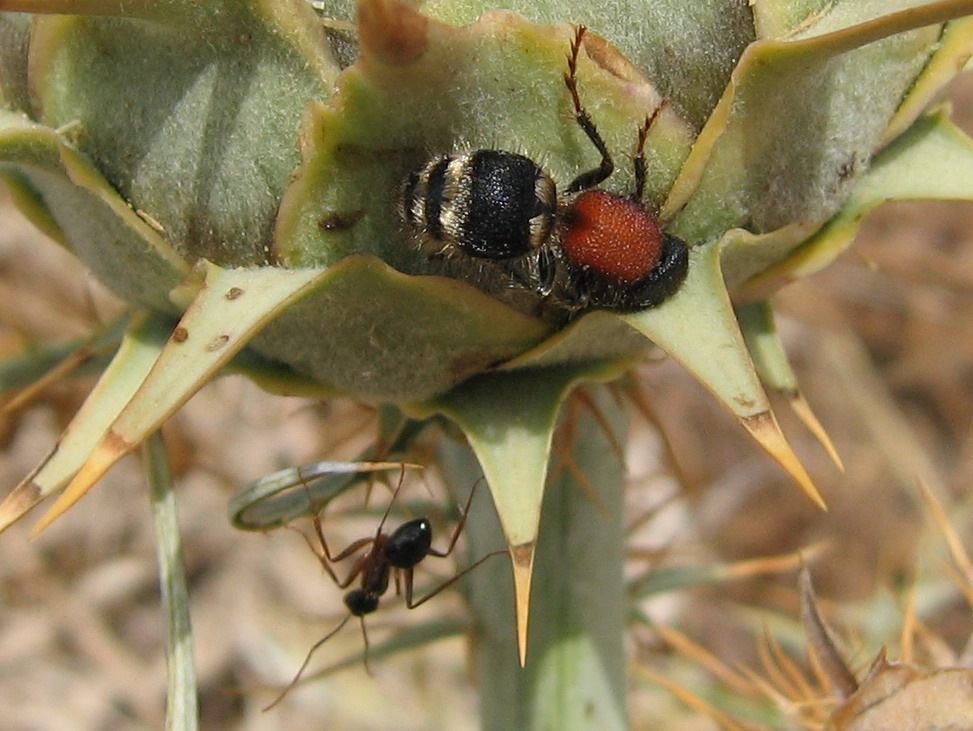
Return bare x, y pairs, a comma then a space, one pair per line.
883, 345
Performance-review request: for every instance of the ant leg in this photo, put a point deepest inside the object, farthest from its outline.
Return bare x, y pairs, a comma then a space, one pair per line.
590, 178
364, 634
459, 525
412, 604
360, 564
319, 555
304, 664
324, 554
395, 494
639, 161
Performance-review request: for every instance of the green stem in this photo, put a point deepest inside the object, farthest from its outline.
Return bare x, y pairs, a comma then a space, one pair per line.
575, 672
181, 705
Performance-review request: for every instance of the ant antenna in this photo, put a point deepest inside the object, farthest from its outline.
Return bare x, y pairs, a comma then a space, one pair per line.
290, 686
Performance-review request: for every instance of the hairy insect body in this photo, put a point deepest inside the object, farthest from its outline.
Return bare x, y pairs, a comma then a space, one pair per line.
584, 248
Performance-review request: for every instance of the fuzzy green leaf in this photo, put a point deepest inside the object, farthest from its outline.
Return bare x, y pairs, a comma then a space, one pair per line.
706, 36
765, 346
192, 116
698, 327
782, 125
368, 330
575, 667
770, 358
954, 49
67, 195
776, 18
934, 159
14, 40
509, 420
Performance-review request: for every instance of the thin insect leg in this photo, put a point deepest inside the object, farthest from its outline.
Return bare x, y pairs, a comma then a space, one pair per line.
395, 493
639, 161
326, 561
360, 564
590, 178
321, 557
324, 554
543, 281
304, 664
408, 574
459, 525
364, 634
446, 584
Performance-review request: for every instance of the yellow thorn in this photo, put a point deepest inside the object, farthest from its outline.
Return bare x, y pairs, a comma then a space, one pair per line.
803, 410
522, 557
111, 448
955, 544
765, 429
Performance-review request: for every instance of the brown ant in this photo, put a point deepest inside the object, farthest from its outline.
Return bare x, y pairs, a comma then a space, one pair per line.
389, 555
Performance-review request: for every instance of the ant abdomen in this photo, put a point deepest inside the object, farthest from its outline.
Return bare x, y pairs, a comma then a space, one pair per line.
361, 602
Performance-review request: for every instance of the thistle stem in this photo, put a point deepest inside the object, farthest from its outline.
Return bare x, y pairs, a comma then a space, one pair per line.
181, 705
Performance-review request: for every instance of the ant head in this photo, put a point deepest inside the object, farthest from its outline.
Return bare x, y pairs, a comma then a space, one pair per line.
361, 602
409, 543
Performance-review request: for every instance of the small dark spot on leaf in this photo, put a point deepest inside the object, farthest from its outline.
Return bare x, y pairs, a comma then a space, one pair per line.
233, 292
217, 343
180, 335
116, 442
340, 221
746, 404
847, 169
